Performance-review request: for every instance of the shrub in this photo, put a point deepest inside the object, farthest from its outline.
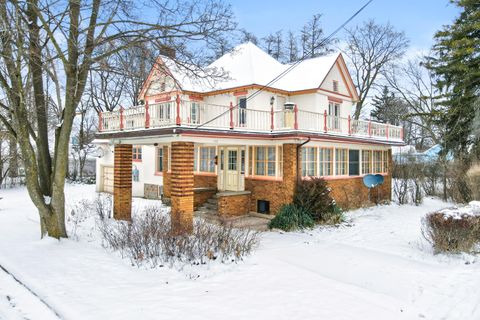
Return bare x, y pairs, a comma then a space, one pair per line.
313, 196
453, 230
147, 240
290, 217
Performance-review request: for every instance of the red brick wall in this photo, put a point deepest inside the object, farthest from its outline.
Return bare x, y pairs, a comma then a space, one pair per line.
234, 205
277, 192
166, 174
205, 181
122, 182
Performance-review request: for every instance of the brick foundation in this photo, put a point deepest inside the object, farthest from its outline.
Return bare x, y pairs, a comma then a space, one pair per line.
122, 182
233, 203
181, 188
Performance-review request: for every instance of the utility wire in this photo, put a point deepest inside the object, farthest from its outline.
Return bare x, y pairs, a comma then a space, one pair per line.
292, 66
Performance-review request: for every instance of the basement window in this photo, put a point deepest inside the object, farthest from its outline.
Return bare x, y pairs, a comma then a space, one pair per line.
263, 206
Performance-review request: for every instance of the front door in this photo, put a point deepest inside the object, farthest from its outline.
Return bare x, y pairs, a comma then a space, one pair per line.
334, 113
232, 170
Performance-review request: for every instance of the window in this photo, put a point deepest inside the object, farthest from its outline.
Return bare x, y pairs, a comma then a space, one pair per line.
207, 159
385, 161
377, 161
341, 162
326, 162
334, 114
366, 161
309, 161
162, 87
162, 111
353, 162
265, 161
232, 160
194, 113
160, 159
335, 85
242, 111
250, 161
137, 153
242, 161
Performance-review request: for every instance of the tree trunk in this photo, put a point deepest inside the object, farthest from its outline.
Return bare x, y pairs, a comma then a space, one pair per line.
358, 110
12, 159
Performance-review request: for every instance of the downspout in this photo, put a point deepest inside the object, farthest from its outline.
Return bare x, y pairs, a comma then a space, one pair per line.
299, 173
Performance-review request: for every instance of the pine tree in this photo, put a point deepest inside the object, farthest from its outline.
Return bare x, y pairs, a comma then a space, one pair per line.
387, 108
456, 63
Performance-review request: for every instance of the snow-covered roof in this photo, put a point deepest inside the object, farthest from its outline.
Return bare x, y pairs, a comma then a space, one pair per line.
247, 64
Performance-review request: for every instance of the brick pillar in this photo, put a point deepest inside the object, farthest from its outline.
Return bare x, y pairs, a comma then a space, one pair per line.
166, 174
290, 170
122, 182
181, 188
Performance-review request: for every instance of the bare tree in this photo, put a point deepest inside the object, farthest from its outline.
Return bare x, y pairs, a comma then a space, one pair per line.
370, 48
246, 36
312, 36
273, 44
77, 32
291, 47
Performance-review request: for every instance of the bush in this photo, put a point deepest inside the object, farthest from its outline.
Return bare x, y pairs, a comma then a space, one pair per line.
147, 240
290, 217
313, 196
453, 230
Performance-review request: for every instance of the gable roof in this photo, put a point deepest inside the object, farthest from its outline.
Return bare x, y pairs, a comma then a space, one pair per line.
247, 64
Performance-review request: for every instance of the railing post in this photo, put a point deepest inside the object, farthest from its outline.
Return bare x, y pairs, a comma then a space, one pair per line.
147, 116
325, 128
231, 115
401, 133
100, 122
349, 125
295, 113
178, 119
121, 118
271, 119
369, 128
386, 131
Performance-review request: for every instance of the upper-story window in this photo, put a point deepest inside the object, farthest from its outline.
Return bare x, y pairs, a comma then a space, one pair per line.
335, 85
162, 86
194, 113
242, 111
159, 164
137, 153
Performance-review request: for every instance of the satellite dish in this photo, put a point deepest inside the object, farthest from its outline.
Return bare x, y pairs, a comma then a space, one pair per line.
371, 181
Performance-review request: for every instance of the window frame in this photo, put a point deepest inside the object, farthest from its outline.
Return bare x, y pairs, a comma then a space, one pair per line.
137, 155
367, 161
210, 160
309, 157
343, 162
335, 86
323, 161
267, 162
159, 159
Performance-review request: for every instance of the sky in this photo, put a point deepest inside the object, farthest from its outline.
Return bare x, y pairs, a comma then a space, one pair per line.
419, 19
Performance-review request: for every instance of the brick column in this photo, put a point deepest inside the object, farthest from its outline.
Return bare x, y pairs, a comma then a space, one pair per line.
290, 170
181, 188
122, 182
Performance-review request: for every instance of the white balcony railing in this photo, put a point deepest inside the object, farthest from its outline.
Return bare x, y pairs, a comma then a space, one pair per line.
199, 114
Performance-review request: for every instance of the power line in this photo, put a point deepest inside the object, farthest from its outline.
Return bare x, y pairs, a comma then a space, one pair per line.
292, 66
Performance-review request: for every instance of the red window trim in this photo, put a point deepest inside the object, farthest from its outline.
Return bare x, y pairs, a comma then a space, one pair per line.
333, 99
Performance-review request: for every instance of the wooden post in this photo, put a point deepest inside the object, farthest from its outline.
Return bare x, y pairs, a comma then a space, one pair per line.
231, 115
349, 125
325, 128
147, 116
295, 113
369, 128
386, 131
401, 133
100, 122
271, 119
178, 120
121, 118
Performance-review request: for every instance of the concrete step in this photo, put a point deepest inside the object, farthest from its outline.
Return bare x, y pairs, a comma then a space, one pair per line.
209, 206
212, 201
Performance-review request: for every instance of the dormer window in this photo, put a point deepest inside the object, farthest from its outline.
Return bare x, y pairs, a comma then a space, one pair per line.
335, 85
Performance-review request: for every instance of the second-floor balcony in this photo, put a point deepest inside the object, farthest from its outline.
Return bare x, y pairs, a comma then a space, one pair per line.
195, 114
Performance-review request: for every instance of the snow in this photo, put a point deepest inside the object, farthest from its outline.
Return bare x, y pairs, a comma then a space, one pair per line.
472, 209
375, 267
247, 64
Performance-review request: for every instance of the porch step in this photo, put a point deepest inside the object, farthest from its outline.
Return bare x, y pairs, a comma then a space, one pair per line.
209, 206
213, 200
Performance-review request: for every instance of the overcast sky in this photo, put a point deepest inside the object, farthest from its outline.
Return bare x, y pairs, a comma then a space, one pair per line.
418, 18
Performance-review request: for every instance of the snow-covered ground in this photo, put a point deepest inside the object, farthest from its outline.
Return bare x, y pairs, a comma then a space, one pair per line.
379, 267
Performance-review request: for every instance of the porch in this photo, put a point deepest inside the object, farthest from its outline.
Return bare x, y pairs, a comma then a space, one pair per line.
196, 114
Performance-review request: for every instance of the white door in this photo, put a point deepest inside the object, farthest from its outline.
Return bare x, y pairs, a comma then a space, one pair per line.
232, 169
108, 179
334, 113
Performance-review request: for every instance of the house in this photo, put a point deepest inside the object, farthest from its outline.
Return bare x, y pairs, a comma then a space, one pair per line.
242, 139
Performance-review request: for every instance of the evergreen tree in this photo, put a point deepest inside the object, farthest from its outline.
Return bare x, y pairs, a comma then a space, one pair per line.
387, 108
456, 63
